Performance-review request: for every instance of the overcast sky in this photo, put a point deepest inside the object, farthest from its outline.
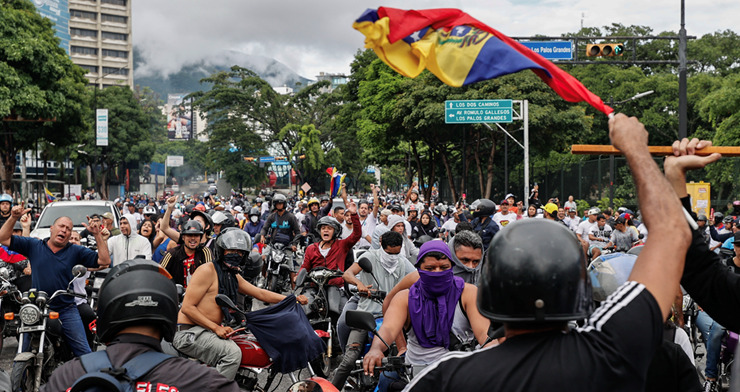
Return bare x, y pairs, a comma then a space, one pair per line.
314, 36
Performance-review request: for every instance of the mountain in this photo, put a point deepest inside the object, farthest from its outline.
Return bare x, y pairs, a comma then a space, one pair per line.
188, 78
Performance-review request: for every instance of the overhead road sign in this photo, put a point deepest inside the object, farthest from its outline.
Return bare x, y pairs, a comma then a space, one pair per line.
551, 50
478, 111
267, 159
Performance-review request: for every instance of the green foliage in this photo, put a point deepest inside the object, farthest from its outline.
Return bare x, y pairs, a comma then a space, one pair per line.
37, 81
582, 206
603, 203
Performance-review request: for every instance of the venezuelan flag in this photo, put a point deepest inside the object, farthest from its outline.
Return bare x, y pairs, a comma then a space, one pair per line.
336, 181
49, 196
459, 50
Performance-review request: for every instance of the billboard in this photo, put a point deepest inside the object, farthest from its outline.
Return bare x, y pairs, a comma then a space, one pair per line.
179, 118
56, 11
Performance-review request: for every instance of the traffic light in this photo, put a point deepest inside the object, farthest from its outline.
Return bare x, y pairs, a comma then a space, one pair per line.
605, 50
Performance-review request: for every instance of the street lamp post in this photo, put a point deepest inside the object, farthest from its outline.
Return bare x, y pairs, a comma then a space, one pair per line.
611, 157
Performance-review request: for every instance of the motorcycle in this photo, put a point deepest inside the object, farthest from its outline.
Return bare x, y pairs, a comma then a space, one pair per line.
726, 358
93, 283
392, 363
255, 360
279, 266
251, 273
41, 326
10, 302
322, 311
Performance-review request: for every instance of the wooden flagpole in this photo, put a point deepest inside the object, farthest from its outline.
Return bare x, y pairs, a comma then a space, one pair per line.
597, 149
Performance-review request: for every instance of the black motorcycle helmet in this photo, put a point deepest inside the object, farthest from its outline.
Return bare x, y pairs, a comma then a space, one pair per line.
330, 221
280, 198
192, 227
485, 207
254, 211
233, 238
534, 272
137, 292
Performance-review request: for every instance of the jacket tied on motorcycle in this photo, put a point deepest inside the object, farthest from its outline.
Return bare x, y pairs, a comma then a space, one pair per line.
337, 253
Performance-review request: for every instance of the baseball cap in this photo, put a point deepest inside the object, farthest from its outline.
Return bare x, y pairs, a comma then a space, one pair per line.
504, 202
550, 208
510, 195
386, 212
107, 215
594, 211
737, 238
238, 209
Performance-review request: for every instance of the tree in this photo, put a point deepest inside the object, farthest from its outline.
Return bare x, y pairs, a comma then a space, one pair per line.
38, 82
240, 95
130, 129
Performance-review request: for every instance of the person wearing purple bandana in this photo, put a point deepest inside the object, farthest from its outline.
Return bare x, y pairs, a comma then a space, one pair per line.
431, 310
534, 280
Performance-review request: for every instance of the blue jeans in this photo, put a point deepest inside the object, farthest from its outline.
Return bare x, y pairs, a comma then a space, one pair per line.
72, 328
342, 328
712, 333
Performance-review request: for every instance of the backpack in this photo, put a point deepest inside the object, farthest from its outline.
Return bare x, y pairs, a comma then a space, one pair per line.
102, 377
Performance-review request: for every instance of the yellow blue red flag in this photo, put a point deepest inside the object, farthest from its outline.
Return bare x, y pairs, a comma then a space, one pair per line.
336, 181
459, 50
49, 196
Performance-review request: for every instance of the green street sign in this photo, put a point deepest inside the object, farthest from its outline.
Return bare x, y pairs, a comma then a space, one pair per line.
478, 111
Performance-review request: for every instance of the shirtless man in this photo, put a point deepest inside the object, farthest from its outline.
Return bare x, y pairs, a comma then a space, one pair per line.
199, 330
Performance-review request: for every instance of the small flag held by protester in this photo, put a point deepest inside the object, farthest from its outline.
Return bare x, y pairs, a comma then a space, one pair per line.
459, 50
336, 181
49, 196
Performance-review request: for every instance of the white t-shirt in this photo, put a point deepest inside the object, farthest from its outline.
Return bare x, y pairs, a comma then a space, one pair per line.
603, 232
643, 230
450, 225
570, 205
503, 220
346, 231
368, 226
584, 229
572, 222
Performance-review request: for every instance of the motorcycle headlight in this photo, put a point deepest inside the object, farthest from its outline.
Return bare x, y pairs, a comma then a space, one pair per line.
98, 282
279, 257
30, 314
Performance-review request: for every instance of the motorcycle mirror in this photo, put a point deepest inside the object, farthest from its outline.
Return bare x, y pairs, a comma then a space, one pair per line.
225, 302
79, 270
4, 273
366, 265
359, 319
305, 386
301, 277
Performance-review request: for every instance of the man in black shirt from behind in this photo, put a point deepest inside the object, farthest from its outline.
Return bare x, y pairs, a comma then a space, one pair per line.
137, 308
535, 282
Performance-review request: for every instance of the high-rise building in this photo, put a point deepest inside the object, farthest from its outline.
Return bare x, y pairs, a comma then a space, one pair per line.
58, 12
101, 42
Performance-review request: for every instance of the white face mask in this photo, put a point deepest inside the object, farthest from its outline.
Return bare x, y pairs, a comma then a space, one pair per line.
389, 261
254, 219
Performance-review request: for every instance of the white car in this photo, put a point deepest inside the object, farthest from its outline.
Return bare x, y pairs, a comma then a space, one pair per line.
78, 211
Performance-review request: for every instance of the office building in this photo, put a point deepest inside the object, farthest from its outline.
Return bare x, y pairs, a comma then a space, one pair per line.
101, 42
